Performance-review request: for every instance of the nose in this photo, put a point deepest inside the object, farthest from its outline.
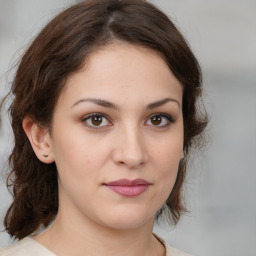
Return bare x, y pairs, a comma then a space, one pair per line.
130, 149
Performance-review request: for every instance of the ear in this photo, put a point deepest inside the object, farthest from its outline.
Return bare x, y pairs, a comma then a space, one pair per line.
40, 140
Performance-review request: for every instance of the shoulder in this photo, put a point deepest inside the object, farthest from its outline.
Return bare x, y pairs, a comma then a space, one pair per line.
170, 251
25, 247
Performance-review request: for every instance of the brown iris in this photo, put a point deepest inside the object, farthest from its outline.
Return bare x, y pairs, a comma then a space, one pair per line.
156, 120
96, 120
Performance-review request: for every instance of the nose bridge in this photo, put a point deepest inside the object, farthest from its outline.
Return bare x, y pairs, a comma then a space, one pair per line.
130, 148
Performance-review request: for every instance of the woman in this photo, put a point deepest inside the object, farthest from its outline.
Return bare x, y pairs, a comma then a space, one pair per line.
104, 115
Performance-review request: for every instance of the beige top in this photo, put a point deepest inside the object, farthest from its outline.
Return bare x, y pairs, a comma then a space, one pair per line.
30, 247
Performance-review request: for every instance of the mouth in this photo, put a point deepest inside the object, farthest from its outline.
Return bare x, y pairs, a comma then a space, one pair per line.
128, 188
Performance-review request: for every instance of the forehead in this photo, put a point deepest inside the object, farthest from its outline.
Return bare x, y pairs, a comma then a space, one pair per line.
123, 71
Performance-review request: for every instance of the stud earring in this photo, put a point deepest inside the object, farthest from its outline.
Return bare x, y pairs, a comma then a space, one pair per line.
44, 155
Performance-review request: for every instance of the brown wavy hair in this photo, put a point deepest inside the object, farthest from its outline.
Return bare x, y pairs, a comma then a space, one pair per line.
59, 50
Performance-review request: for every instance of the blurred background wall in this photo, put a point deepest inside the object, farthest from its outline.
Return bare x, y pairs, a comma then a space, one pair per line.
221, 185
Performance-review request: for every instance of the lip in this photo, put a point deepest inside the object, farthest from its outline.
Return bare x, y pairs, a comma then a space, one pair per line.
128, 188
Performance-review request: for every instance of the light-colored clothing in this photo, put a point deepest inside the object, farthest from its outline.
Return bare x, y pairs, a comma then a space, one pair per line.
30, 247
170, 251
26, 247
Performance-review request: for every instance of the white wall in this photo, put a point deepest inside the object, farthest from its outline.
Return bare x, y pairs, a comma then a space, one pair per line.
223, 35
222, 183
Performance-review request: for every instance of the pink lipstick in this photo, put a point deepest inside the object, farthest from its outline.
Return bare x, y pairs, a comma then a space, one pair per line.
128, 188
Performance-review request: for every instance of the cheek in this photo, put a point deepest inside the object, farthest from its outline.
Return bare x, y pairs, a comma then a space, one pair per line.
80, 160
168, 152
78, 169
166, 158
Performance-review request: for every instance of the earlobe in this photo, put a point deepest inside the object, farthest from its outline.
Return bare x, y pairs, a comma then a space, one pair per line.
40, 140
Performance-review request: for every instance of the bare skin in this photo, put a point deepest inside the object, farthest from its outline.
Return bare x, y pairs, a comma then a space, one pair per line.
119, 117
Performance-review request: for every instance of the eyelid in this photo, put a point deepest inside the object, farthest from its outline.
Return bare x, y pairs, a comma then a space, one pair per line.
168, 116
87, 117
165, 115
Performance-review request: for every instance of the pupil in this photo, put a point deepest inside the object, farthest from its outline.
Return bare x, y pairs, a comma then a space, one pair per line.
97, 120
156, 120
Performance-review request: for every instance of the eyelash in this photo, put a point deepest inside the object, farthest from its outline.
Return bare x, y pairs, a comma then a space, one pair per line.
168, 118
90, 116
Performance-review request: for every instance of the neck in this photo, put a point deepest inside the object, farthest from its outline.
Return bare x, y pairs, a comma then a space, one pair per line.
72, 238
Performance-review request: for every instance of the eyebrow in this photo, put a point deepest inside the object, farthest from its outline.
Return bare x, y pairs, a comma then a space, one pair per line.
107, 104
161, 102
99, 102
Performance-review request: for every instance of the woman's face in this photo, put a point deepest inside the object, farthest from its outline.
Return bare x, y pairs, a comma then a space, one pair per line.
117, 137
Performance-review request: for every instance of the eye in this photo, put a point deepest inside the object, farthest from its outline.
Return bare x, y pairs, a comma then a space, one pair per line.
159, 120
96, 120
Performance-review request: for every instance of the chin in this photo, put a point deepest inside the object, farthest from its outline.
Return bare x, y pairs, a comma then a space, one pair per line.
127, 221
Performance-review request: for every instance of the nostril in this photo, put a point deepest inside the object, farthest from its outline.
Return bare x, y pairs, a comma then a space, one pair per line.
131, 163
130, 150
